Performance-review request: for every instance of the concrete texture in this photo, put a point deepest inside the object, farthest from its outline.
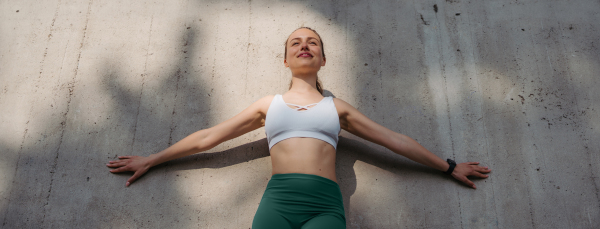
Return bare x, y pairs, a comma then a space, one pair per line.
512, 84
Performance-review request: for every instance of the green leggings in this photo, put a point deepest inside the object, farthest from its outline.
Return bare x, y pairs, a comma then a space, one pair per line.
296, 200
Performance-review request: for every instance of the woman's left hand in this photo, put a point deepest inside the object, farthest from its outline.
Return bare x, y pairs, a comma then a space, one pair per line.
463, 170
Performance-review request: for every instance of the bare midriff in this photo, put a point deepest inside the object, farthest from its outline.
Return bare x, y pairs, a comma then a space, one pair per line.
304, 155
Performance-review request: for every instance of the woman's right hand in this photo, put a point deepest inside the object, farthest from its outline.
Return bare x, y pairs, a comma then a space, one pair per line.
136, 164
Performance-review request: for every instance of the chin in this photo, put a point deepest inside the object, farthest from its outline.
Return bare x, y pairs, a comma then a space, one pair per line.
306, 68
304, 71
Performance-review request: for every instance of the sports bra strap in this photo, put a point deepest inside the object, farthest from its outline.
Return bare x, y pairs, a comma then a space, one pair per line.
302, 107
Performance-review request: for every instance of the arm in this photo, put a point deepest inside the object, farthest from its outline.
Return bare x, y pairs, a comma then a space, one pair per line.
248, 120
358, 124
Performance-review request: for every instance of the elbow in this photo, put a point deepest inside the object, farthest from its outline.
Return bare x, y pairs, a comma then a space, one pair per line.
400, 143
204, 141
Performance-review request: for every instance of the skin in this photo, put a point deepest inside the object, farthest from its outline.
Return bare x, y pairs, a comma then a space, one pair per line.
299, 155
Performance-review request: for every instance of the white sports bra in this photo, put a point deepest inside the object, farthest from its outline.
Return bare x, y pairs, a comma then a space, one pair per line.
320, 121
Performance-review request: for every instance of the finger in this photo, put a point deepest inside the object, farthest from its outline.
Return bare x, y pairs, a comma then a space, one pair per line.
135, 176
483, 170
480, 175
118, 161
124, 157
116, 164
120, 170
467, 182
473, 163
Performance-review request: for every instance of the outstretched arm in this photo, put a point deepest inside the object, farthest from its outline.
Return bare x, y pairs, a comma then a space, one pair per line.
360, 125
249, 119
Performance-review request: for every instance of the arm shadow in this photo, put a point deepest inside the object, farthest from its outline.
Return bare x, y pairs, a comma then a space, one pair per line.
239, 154
349, 151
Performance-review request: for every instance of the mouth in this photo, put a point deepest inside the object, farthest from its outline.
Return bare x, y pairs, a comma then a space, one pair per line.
305, 54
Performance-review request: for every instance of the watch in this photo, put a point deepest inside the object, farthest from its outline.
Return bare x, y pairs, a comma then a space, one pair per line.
452, 165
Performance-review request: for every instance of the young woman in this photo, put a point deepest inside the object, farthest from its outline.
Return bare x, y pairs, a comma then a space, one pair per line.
303, 192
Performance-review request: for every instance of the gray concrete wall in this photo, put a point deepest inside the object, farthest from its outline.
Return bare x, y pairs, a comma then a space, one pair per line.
512, 84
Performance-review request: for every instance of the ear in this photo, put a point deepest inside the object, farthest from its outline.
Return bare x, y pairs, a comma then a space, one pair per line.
323, 62
286, 63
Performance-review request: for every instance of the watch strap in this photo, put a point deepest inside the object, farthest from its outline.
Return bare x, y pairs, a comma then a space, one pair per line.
452, 166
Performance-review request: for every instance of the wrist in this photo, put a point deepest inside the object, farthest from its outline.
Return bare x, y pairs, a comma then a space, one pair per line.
154, 160
452, 165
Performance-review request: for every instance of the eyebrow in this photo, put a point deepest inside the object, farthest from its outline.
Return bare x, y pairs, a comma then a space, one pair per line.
308, 38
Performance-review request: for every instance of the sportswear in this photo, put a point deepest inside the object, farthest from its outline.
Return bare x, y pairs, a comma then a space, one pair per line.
296, 200
320, 121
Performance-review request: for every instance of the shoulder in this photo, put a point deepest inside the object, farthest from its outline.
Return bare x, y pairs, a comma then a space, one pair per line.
360, 125
249, 119
266, 99
351, 119
262, 104
342, 107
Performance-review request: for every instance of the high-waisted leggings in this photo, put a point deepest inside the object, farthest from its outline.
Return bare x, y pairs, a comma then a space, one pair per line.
300, 201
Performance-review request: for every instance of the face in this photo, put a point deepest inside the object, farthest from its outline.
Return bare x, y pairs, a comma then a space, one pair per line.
304, 52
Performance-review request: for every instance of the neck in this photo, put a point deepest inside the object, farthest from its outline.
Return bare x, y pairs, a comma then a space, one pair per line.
304, 83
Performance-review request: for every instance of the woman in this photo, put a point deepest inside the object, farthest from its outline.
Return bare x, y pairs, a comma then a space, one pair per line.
303, 192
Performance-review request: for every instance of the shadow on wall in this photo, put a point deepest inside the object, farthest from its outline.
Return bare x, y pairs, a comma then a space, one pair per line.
105, 116
152, 123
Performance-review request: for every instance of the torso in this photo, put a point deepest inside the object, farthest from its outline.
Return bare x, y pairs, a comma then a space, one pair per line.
303, 155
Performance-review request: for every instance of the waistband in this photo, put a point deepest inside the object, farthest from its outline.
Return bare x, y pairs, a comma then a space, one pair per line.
284, 176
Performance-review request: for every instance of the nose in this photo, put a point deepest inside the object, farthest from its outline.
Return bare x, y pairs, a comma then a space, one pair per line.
304, 46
